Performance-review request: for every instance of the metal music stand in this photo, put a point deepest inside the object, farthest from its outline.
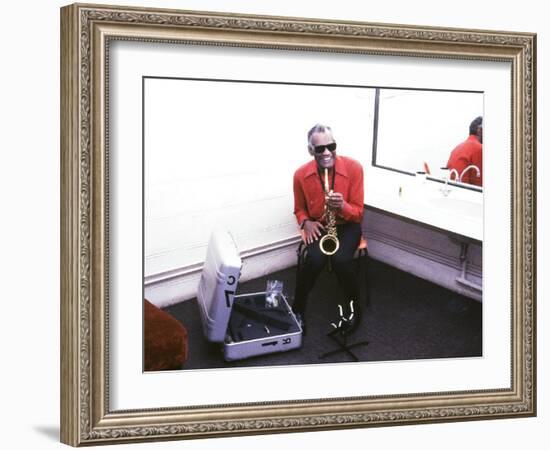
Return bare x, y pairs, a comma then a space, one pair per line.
342, 330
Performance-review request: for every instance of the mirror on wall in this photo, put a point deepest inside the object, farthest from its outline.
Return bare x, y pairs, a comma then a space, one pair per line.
428, 131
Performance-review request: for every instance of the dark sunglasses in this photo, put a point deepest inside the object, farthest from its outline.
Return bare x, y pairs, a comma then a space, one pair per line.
321, 148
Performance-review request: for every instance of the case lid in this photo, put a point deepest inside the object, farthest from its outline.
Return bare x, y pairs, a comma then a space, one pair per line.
218, 284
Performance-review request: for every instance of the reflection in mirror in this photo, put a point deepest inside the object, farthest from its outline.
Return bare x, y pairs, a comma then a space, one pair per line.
428, 131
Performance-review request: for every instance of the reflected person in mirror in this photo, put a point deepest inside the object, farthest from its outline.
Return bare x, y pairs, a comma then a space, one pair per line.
469, 153
345, 198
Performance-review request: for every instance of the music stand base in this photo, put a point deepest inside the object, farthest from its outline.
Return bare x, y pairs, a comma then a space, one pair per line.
344, 347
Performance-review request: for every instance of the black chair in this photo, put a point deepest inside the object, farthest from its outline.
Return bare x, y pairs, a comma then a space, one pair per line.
362, 256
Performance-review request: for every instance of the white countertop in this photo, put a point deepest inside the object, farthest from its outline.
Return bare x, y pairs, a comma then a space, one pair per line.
460, 212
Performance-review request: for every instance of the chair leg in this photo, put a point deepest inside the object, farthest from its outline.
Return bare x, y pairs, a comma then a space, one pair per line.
300, 260
301, 255
367, 280
364, 274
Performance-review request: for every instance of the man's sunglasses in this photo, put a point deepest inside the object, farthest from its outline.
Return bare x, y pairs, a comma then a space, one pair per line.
321, 148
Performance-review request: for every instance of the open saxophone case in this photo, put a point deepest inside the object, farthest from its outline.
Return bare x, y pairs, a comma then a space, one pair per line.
242, 322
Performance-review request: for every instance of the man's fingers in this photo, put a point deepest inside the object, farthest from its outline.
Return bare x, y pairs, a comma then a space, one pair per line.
336, 200
314, 233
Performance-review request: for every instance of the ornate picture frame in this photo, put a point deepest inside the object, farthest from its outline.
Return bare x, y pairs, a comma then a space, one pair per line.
86, 34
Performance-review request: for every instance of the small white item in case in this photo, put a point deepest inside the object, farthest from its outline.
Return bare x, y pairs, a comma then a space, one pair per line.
274, 289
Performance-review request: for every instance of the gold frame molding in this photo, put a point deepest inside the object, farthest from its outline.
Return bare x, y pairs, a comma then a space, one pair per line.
86, 31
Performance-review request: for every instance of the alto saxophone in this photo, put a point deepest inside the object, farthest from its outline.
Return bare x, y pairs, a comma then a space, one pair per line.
329, 243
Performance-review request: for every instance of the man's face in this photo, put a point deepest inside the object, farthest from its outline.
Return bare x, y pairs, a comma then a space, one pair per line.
479, 134
325, 159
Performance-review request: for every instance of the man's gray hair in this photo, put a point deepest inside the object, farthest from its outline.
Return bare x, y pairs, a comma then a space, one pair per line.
318, 128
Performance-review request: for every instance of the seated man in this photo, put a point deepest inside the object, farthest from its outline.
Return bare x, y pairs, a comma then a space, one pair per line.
469, 153
345, 198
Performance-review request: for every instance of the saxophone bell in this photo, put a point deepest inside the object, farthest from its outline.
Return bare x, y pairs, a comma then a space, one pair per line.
329, 244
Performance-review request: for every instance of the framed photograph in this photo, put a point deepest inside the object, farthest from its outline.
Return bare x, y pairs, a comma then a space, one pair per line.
186, 138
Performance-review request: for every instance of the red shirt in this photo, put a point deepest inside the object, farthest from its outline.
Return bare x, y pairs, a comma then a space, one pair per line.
309, 197
465, 154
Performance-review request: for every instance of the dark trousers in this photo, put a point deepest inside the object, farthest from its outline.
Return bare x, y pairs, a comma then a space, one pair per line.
349, 235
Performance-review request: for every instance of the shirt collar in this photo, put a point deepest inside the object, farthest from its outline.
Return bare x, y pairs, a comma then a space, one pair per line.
339, 166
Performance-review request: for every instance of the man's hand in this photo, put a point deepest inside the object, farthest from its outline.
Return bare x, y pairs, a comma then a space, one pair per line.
335, 200
312, 231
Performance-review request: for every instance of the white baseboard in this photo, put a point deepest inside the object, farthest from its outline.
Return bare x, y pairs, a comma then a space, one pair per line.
427, 253
179, 285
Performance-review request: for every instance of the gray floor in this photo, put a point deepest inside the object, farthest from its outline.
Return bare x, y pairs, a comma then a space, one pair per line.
407, 318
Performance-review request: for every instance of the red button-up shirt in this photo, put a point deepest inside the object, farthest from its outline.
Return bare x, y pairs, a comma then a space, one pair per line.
309, 197
469, 152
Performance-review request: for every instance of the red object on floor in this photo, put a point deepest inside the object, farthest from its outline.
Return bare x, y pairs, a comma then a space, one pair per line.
426, 168
164, 340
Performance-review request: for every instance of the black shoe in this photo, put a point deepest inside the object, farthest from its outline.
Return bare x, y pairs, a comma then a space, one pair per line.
353, 315
301, 321
348, 320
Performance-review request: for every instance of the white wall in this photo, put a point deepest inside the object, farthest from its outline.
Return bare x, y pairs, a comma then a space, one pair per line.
222, 154
425, 252
29, 237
